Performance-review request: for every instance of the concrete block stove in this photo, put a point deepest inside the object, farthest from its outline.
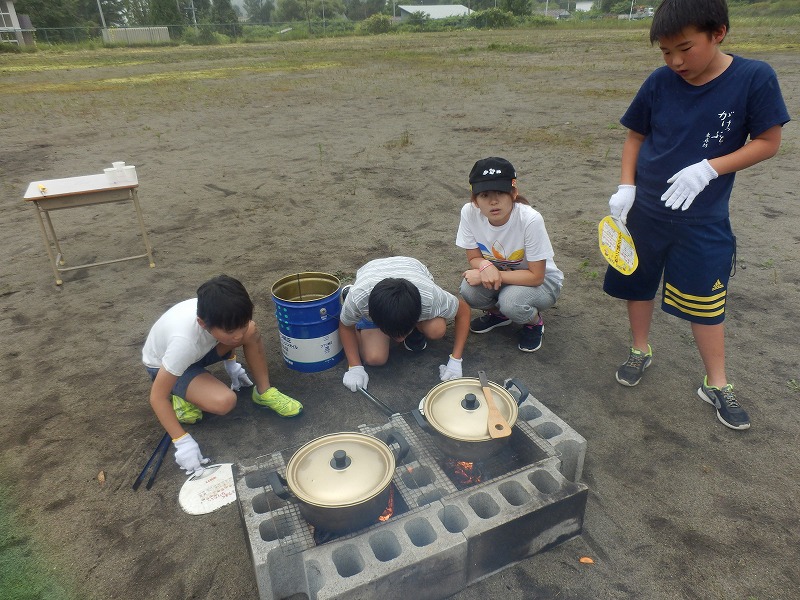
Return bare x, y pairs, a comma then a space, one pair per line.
452, 524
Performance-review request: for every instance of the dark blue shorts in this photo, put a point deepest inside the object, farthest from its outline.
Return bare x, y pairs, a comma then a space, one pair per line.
696, 262
192, 371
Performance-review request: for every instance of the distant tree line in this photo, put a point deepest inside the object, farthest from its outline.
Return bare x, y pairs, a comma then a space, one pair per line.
76, 13
80, 13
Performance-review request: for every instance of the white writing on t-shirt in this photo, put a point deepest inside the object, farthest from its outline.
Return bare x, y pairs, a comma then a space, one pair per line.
725, 120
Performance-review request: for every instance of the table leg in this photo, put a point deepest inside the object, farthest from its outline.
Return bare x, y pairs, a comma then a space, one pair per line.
135, 196
47, 242
60, 256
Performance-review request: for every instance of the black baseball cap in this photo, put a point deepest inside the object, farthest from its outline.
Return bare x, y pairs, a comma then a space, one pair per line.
492, 174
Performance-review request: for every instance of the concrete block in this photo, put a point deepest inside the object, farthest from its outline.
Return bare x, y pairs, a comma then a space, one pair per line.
567, 442
441, 539
512, 518
412, 555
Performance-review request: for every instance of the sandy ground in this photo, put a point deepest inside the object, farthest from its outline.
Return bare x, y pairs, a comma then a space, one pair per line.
262, 161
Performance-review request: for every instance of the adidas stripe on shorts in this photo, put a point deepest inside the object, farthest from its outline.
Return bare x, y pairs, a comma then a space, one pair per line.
696, 261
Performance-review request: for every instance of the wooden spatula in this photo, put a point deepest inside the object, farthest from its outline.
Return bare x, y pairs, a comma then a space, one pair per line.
498, 426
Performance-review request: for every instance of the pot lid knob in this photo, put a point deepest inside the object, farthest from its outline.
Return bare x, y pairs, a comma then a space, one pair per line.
340, 460
470, 402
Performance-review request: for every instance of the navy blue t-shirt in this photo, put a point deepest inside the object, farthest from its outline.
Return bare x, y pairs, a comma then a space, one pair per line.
683, 124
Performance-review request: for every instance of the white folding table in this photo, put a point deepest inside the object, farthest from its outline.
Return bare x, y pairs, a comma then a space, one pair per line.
85, 190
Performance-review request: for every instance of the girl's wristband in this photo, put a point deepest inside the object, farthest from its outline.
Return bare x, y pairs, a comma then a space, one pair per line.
485, 266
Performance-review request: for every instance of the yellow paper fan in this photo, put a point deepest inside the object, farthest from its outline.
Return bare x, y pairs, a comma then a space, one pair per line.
616, 245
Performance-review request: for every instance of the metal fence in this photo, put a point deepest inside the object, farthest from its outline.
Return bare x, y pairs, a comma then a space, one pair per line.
154, 35
77, 35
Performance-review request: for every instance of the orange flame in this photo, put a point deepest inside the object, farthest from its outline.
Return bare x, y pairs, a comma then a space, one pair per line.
465, 472
386, 514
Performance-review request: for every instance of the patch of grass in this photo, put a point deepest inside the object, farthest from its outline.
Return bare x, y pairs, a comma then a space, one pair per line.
516, 48
564, 137
619, 92
793, 385
403, 141
586, 271
23, 574
169, 77
344, 277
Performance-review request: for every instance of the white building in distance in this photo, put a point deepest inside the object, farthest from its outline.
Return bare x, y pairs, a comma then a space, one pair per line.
10, 30
434, 11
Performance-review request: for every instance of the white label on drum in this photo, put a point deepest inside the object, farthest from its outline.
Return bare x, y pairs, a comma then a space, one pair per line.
311, 350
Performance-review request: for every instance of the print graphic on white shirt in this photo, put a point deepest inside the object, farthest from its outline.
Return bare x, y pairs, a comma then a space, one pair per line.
498, 256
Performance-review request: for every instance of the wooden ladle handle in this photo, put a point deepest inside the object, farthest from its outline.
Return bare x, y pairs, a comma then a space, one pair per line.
498, 426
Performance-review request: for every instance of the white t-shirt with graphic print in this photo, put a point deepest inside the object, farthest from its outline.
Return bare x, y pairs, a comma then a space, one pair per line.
522, 239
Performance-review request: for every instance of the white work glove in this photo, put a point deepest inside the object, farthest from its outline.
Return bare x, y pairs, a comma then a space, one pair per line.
621, 202
188, 455
452, 370
686, 184
237, 374
356, 377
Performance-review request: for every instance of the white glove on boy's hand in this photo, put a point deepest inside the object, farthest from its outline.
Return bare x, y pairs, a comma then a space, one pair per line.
621, 202
356, 377
452, 370
188, 455
686, 184
237, 374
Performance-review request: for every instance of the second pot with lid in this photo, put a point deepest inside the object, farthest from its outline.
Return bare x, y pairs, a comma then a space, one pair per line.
341, 480
457, 414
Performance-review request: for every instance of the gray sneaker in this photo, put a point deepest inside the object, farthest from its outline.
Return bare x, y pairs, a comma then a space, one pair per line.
630, 373
723, 399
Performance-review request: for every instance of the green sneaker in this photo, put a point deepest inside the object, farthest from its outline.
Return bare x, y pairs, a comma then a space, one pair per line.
186, 412
277, 401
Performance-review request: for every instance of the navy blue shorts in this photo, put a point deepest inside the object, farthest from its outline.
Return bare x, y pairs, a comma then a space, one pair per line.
192, 371
696, 262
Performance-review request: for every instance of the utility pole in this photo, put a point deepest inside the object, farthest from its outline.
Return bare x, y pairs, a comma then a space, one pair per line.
194, 14
102, 18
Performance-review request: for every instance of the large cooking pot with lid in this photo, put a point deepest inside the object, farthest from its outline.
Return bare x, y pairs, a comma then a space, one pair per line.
341, 481
456, 415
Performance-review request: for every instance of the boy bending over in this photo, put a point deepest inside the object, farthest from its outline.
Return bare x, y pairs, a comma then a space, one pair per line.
186, 339
396, 299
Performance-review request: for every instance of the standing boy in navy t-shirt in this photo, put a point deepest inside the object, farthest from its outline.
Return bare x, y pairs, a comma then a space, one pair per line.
688, 130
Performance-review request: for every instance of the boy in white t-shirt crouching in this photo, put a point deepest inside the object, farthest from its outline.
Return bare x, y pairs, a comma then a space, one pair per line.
186, 339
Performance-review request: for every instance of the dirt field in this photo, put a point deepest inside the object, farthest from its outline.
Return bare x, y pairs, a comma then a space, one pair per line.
264, 160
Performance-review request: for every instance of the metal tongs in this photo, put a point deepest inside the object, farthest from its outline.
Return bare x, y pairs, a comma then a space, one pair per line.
386, 409
158, 456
